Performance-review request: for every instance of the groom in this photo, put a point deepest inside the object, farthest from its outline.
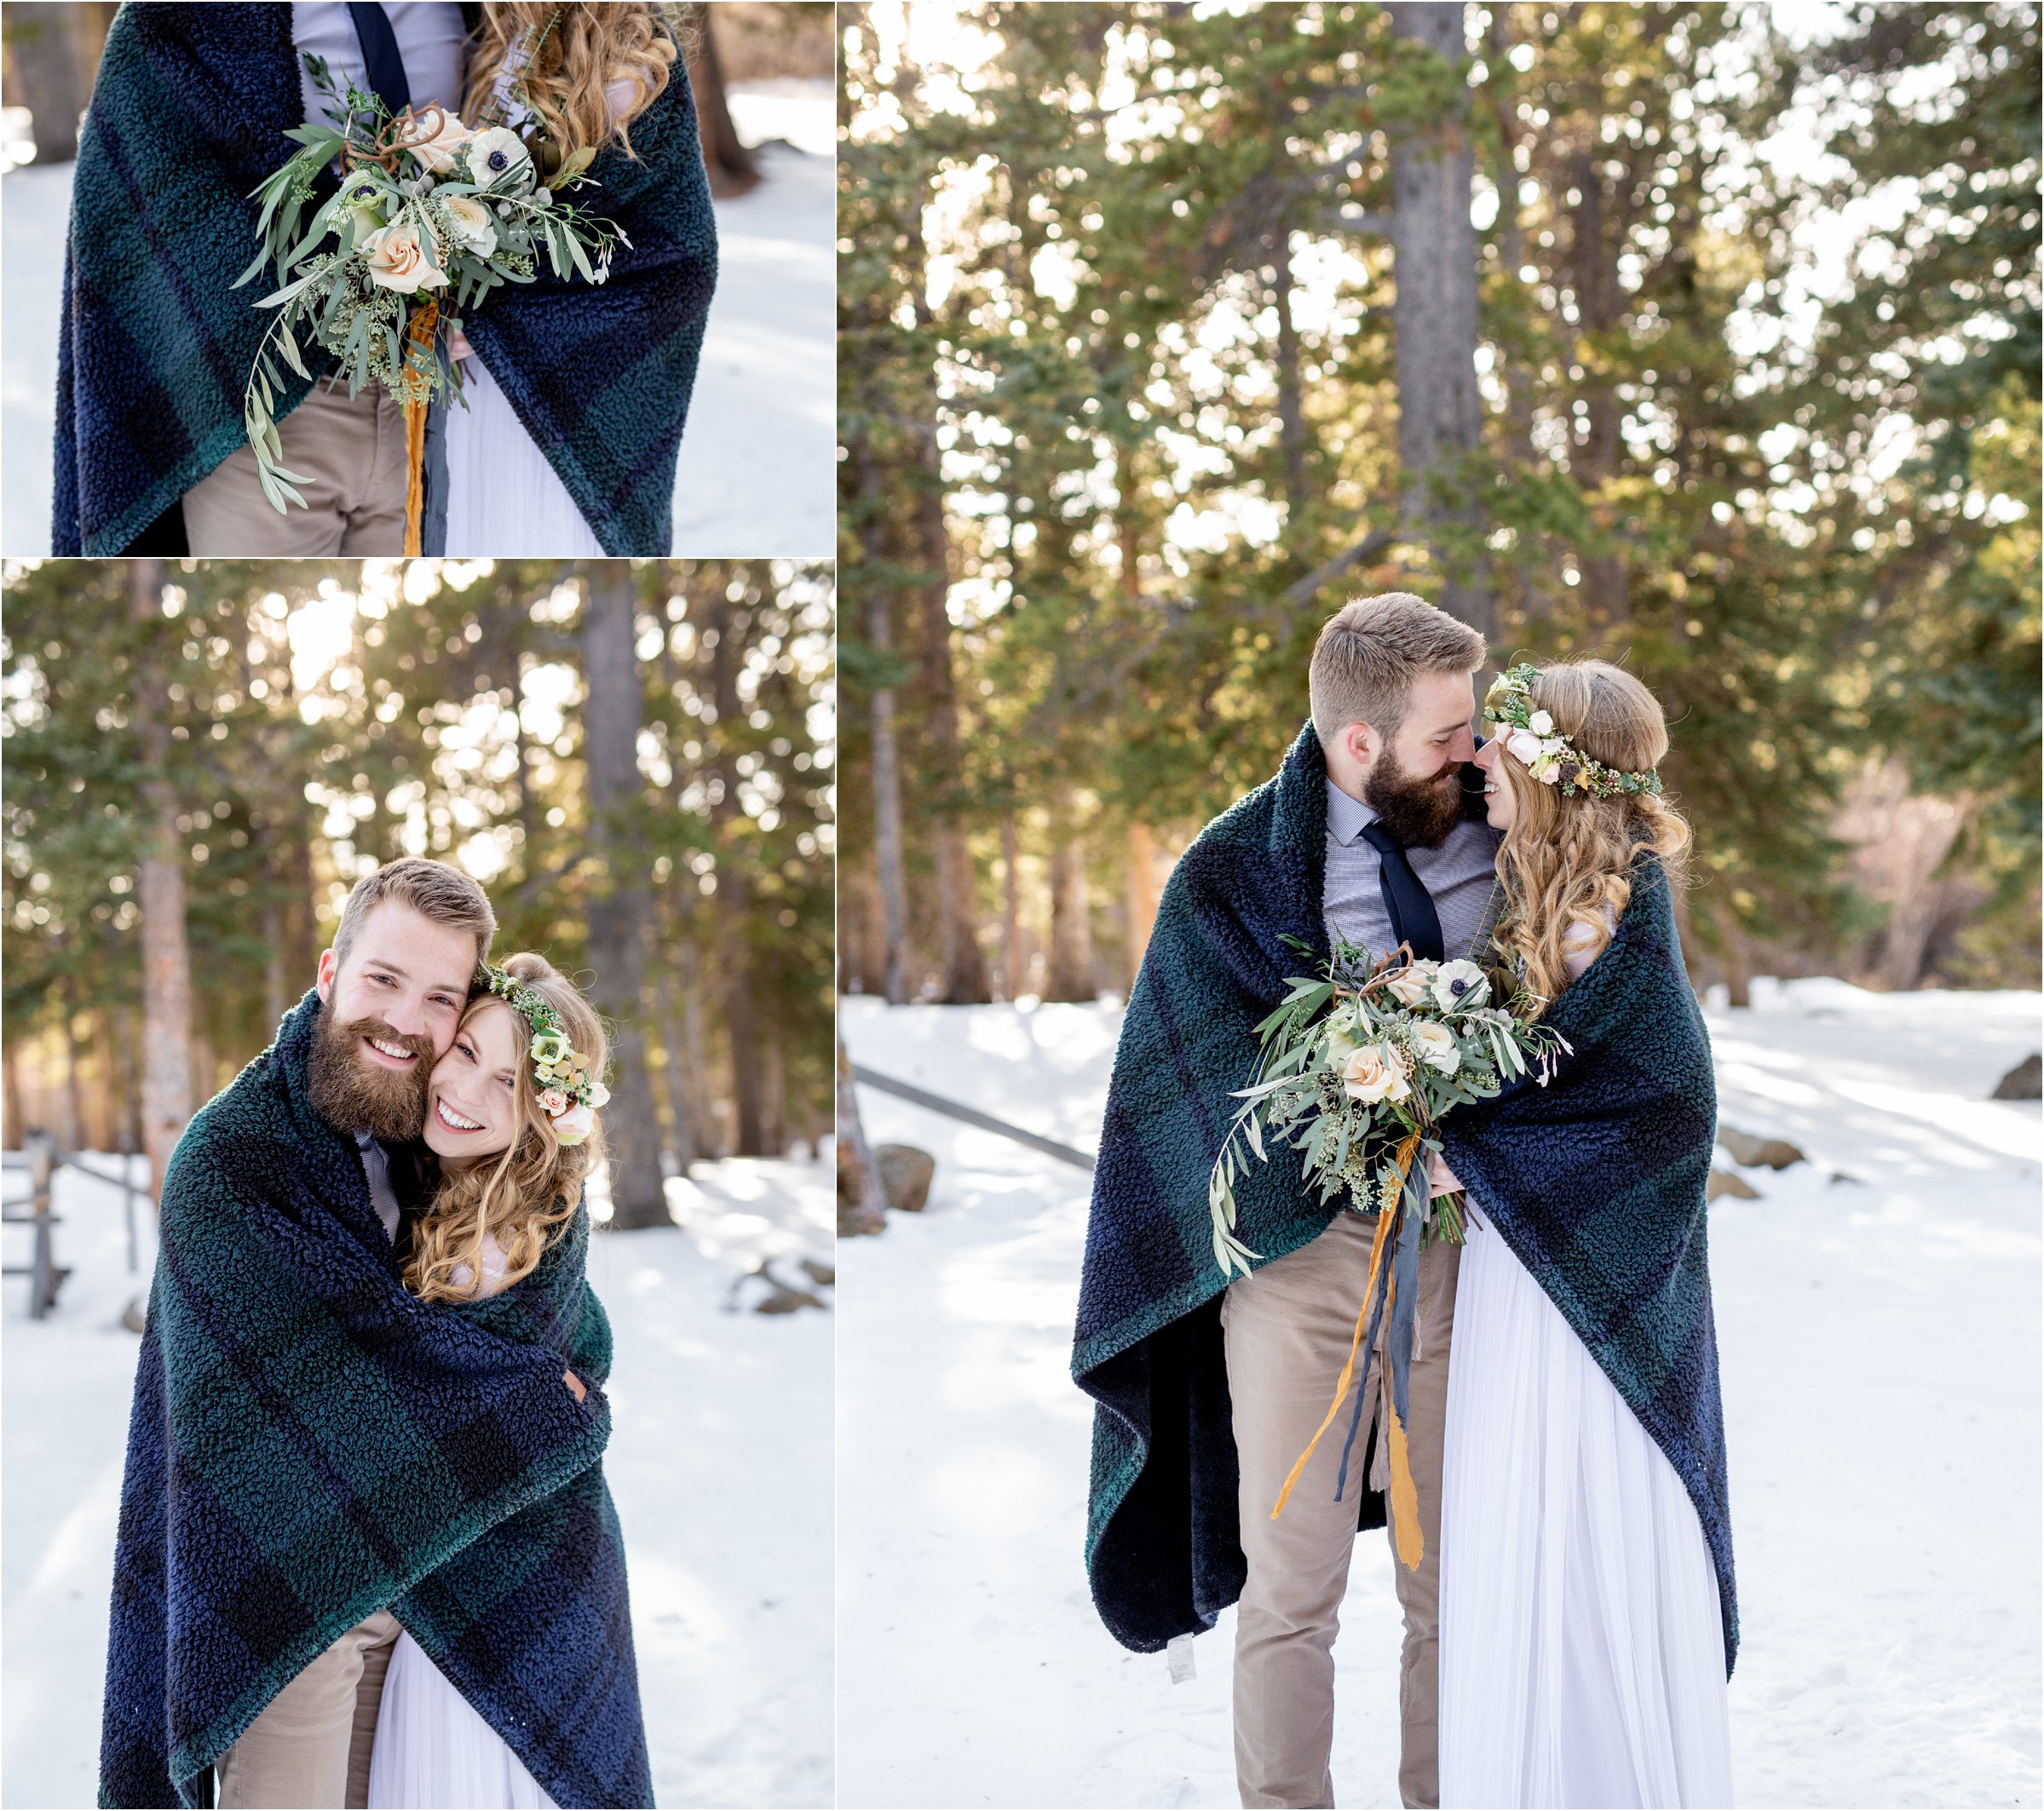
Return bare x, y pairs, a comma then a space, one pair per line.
393, 988
1393, 687
1208, 1393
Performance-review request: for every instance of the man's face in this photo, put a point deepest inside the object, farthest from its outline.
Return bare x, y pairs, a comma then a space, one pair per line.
388, 1015
1414, 781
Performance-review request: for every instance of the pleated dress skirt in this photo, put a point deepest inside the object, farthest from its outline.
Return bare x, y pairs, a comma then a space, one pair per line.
1582, 1654
503, 499
433, 1750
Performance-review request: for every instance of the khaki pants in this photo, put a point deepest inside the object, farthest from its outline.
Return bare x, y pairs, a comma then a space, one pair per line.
351, 452
310, 1747
1287, 1328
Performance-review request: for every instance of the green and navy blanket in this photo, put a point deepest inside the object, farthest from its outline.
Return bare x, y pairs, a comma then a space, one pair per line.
188, 116
1597, 1182
1621, 1140
309, 1444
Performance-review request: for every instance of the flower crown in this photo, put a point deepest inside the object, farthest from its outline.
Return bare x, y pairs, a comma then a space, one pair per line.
569, 1093
1529, 735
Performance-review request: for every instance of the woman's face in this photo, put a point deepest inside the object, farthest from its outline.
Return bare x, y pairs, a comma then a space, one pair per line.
1499, 806
472, 1095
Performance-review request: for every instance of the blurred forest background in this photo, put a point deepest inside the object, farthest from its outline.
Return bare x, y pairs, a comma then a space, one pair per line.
1643, 330
635, 758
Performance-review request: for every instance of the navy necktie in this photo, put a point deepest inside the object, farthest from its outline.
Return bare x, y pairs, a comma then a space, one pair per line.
1413, 919
380, 52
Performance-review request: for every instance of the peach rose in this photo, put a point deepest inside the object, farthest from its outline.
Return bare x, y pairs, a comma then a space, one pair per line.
400, 258
572, 1127
552, 1101
1409, 984
438, 152
1375, 1073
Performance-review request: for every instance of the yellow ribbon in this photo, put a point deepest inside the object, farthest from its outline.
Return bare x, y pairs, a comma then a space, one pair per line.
1405, 1495
425, 321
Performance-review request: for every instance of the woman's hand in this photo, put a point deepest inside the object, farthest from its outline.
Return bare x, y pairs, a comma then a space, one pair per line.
458, 345
576, 1384
1441, 1181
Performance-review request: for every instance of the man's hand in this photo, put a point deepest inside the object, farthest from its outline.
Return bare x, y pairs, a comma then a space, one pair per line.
576, 1384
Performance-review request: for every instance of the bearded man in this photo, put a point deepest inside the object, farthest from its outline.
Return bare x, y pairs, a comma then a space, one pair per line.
1373, 831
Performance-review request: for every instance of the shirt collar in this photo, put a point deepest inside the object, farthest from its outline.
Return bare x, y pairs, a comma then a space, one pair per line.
1347, 816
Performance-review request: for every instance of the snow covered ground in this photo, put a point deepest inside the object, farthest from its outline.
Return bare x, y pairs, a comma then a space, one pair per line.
1878, 1322
720, 1462
757, 475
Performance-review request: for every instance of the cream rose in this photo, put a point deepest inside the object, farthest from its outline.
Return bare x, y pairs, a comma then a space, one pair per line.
1522, 745
1409, 984
574, 1125
473, 225
1541, 723
400, 258
498, 160
1437, 1046
438, 152
1460, 986
1375, 1073
552, 1101
599, 1095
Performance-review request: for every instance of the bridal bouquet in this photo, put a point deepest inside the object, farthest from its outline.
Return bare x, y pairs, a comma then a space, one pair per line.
1357, 1068
431, 216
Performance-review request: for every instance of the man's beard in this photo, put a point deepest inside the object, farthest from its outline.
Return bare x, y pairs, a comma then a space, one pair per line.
349, 1093
1418, 812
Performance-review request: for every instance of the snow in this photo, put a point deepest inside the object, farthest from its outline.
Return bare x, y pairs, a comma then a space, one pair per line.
758, 475
1878, 1323
719, 1462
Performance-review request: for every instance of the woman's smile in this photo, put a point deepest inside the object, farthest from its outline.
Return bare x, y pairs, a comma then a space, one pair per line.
472, 1095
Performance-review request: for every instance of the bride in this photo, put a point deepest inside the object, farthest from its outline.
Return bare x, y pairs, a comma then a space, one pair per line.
1584, 1647
596, 69
515, 1137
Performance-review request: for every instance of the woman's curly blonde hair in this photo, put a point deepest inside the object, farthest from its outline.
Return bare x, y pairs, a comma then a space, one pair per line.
524, 1195
588, 48
1566, 860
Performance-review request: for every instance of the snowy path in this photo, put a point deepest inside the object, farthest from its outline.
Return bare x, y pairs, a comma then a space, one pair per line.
1880, 1353
758, 476
719, 1462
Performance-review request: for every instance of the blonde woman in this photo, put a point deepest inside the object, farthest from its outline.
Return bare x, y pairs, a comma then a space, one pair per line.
529, 471
1588, 1621
511, 1114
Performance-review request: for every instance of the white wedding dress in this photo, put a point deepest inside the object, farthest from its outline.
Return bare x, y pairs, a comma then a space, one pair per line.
503, 499
1582, 1654
432, 1752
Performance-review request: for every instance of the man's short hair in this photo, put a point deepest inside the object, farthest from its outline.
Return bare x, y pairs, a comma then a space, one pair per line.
434, 889
1369, 654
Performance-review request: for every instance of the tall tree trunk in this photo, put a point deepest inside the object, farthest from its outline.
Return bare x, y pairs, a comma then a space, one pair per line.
50, 61
166, 954
1291, 411
729, 165
709, 1141
1434, 314
276, 985
76, 1136
681, 1109
618, 903
1606, 592
1072, 976
1015, 970
887, 805
734, 887
10, 1061
1140, 894
774, 1094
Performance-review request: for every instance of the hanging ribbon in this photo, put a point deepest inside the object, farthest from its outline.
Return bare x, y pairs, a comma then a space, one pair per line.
418, 392
1392, 1292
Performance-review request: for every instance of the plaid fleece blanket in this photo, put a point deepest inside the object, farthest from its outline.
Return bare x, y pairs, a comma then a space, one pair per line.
188, 116
1596, 1183
309, 1444
1598, 1180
